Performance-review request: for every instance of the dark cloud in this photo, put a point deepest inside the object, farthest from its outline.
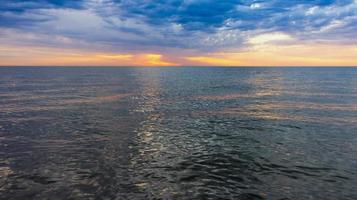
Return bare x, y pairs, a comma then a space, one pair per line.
197, 24
18, 13
21, 6
207, 14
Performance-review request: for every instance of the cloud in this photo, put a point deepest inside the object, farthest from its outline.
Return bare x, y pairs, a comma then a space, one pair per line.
53, 56
269, 38
175, 26
291, 55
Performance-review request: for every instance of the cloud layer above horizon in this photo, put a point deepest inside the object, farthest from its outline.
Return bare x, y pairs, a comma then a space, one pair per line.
178, 32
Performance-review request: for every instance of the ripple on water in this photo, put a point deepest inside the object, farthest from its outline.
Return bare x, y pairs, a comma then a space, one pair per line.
178, 133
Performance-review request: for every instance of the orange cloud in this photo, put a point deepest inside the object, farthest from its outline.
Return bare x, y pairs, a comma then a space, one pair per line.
153, 60
284, 55
42, 56
222, 61
262, 53
115, 56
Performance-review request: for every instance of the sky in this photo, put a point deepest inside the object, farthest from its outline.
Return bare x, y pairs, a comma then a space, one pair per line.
178, 33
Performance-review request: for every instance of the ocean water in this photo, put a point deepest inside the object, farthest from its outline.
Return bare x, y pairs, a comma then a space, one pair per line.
178, 133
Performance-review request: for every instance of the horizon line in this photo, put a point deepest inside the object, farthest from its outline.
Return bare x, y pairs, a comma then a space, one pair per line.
203, 66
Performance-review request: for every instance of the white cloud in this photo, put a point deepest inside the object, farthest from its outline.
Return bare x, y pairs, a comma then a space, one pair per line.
255, 6
269, 38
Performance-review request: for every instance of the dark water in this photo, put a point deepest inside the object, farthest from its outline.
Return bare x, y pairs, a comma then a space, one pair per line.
178, 133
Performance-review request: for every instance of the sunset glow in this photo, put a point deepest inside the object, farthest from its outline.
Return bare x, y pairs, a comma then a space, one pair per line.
111, 33
178, 99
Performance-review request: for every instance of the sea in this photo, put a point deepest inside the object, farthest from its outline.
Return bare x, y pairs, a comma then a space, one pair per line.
178, 133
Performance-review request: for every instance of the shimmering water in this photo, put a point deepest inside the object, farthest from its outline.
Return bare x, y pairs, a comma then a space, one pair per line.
178, 133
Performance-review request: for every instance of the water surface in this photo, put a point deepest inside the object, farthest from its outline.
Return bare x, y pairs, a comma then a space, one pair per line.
178, 133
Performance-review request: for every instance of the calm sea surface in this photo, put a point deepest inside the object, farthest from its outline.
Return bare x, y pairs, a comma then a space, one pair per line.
178, 133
